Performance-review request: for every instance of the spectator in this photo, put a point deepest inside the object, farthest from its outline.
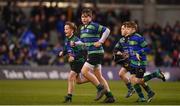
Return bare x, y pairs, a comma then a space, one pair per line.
32, 38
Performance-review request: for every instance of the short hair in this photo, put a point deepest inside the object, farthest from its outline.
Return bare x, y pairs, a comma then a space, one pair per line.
71, 25
87, 12
130, 24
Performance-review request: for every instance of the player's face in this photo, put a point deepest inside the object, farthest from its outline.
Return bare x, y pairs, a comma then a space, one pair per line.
129, 31
123, 31
85, 19
126, 31
68, 31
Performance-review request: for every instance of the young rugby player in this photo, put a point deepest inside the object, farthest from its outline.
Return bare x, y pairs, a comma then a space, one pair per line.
135, 48
93, 35
75, 59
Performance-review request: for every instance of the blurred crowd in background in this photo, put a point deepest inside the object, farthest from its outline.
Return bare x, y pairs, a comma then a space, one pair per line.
36, 38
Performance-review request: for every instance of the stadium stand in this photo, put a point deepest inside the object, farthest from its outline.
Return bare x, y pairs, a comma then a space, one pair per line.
36, 37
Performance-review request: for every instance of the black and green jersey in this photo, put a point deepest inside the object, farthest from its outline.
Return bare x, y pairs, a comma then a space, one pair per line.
77, 51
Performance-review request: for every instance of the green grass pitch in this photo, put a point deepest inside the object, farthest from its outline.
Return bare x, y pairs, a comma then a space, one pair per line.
52, 92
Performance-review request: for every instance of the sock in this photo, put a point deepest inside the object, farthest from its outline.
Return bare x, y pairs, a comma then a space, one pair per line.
150, 76
69, 95
147, 88
109, 94
100, 87
129, 86
138, 90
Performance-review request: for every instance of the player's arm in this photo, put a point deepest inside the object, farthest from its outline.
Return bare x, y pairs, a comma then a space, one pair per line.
105, 33
77, 42
70, 54
118, 53
144, 46
118, 49
66, 50
63, 52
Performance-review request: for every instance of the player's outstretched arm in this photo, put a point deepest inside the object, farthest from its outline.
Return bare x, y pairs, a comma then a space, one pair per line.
105, 35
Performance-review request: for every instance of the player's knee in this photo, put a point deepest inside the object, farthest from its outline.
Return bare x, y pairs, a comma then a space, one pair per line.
86, 68
138, 81
71, 78
100, 78
84, 71
141, 81
121, 75
133, 80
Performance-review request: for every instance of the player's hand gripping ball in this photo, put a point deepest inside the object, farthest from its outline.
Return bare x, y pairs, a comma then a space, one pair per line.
121, 56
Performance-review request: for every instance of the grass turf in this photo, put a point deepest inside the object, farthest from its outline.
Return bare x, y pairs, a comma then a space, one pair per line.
52, 92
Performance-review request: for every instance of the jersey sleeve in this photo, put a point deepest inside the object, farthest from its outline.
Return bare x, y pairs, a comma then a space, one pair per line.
144, 46
67, 49
101, 28
118, 47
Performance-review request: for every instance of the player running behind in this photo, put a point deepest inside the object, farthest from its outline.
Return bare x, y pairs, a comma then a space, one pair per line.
135, 48
75, 59
122, 58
